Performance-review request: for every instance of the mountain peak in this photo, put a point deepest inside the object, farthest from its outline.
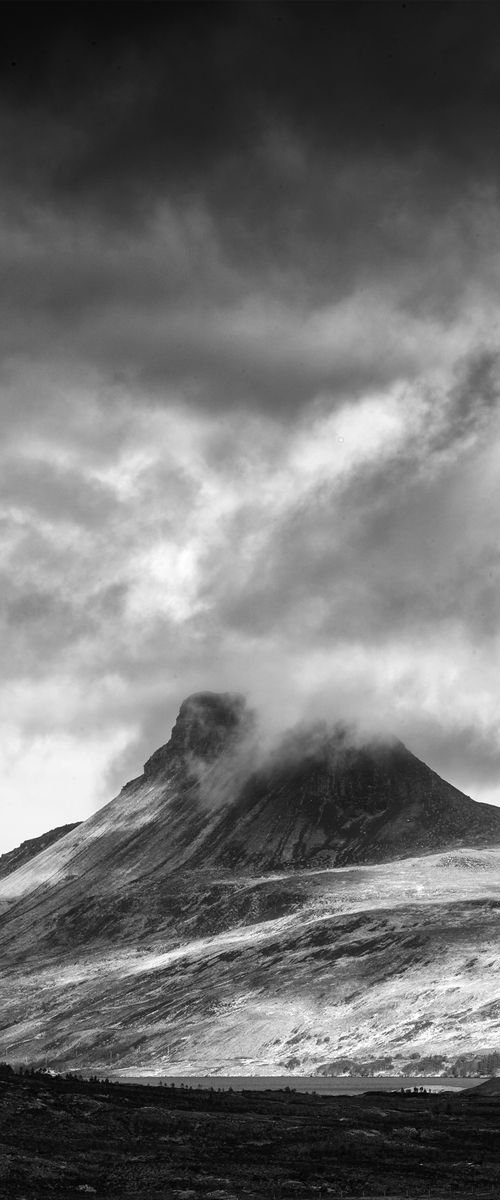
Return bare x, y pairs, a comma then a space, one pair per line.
206, 722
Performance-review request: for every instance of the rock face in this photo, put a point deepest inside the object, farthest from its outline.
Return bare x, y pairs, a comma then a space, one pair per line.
206, 726
258, 911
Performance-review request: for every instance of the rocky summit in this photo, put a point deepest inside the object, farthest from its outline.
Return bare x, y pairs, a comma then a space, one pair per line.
207, 724
327, 901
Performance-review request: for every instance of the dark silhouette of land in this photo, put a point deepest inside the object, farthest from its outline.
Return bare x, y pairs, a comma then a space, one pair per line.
65, 1136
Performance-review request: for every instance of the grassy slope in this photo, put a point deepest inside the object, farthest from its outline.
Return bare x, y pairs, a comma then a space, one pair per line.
244, 976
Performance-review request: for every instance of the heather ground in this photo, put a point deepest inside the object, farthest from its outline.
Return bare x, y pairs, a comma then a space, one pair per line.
70, 1138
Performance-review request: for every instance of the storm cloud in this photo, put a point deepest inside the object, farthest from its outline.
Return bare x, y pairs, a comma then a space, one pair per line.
250, 297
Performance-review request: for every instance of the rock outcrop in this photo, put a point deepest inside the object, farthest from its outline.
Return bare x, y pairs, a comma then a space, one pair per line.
207, 724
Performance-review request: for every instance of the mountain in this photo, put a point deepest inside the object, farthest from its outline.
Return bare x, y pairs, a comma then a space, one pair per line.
12, 859
323, 799
323, 903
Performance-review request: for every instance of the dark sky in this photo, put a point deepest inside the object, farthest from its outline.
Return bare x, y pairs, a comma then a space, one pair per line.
249, 281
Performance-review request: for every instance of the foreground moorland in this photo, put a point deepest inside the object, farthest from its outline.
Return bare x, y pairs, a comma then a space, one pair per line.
70, 1137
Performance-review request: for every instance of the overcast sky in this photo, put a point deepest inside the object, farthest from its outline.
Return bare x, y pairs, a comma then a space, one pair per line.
250, 298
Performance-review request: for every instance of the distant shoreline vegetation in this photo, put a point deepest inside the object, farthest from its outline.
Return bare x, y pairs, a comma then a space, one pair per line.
433, 1067
409, 1085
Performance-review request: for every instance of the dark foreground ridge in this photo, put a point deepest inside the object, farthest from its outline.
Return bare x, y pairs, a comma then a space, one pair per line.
65, 1136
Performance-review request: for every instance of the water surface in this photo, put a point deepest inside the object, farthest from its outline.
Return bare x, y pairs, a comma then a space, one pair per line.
322, 1085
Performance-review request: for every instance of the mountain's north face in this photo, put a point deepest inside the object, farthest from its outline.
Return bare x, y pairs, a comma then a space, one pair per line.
224, 871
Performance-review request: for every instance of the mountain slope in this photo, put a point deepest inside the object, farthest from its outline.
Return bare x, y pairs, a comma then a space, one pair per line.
323, 901
392, 967
13, 859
